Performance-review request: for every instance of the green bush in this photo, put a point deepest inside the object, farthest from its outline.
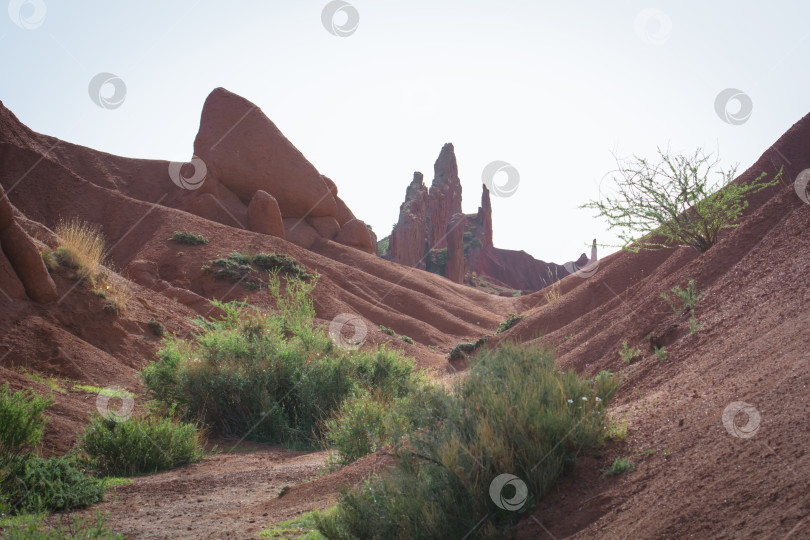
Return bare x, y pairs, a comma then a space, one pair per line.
515, 413
140, 445
21, 421
189, 239
386, 330
270, 377
368, 422
32, 484
511, 320
407, 339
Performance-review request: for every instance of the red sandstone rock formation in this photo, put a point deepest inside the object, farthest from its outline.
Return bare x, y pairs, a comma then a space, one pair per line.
408, 238
431, 221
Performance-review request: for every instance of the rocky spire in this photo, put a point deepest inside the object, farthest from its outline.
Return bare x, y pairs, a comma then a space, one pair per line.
444, 199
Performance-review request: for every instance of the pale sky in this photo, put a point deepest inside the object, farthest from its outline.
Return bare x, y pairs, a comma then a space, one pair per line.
553, 88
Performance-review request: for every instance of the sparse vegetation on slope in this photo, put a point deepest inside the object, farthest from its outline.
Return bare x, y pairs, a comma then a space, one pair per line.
514, 414
189, 239
511, 320
244, 267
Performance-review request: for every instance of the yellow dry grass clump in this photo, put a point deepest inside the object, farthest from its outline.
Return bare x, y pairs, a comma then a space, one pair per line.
81, 247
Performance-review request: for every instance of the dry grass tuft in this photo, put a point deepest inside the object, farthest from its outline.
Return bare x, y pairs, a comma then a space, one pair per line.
81, 247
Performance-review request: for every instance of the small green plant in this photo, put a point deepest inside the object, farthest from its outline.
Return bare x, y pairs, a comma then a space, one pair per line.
620, 465
665, 452
694, 325
684, 300
616, 430
140, 445
511, 320
407, 339
386, 330
628, 354
674, 201
156, 327
189, 239
660, 353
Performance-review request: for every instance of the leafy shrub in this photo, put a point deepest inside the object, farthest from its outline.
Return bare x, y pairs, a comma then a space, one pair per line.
21, 421
511, 320
33, 484
683, 300
407, 339
270, 377
369, 421
620, 465
514, 413
140, 445
660, 353
386, 330
189, 239
29, 483
675, 198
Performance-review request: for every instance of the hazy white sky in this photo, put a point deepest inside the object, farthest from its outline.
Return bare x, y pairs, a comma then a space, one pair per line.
550, 87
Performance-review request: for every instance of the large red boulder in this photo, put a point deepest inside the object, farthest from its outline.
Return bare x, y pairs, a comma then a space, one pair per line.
243, 149
355, 233
264, 215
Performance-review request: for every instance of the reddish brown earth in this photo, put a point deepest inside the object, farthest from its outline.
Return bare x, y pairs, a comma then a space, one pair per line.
752, 347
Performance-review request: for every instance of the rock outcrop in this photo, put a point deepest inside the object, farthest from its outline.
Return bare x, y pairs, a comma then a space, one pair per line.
355, 233
264, 215
256, 179
432, 233
22, 256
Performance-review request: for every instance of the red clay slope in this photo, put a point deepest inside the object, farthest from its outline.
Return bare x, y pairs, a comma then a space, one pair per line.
751, 348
